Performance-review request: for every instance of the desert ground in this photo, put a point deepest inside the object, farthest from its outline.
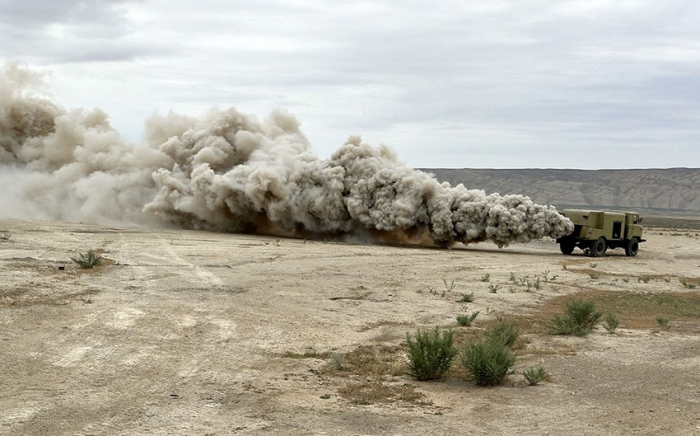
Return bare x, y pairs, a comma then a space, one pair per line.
198, 333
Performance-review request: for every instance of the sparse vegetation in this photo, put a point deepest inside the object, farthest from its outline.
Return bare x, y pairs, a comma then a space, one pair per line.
449, 286
494, 288
87, 260
309, 353
466, 298
593, 265
686, 284
535, 374
594, 275
580, 316
466, 320
536, 284
377, 391
338, 361
485, 278
368, 361
430, 353
504, 332
610, 322
662, 321
5, 236
644, 279
487, 362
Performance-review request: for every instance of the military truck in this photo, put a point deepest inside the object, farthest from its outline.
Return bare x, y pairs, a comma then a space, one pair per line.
597, 230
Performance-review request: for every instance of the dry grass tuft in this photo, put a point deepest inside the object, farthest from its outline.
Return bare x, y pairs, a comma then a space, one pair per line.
376, 391
634, 310
371, 360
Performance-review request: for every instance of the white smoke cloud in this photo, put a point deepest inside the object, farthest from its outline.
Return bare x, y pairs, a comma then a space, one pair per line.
230, 172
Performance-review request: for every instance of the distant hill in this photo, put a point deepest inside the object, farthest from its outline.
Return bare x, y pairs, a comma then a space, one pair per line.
674, 190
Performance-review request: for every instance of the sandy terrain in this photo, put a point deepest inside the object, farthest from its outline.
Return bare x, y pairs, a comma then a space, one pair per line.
195, 333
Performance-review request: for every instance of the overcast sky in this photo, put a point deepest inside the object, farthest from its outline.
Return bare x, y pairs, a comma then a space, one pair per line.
504, 84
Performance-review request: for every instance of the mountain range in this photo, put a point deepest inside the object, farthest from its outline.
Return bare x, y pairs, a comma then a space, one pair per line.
662, 191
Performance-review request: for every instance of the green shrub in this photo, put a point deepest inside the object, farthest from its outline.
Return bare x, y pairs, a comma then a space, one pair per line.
494, 288
662, 320
466, 320
503, 332
466, 298
430, 353
88, 260
534, 375
579, 318
610, 322
488, 362
537, 284
486, 277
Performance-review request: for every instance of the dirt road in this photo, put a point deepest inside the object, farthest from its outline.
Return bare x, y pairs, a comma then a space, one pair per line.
195, 333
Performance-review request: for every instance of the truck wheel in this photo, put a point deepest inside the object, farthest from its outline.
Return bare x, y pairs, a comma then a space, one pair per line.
599, 247
632, 247
567, 247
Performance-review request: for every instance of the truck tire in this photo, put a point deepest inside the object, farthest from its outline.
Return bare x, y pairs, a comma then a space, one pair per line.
632, 247
567, 247
598, 247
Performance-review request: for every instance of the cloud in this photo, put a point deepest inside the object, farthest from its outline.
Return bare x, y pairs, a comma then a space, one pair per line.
537, 80
72, 31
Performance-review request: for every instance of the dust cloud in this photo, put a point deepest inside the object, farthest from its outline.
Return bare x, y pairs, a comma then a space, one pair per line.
227, 171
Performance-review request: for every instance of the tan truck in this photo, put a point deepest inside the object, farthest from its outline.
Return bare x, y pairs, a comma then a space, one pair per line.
597, 230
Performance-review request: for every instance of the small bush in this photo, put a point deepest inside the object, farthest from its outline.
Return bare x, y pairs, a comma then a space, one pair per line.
494, 288
466, 320
488, 362
338, 361
449, 286
610, 322
579, 318
644, 279
430, 353
466, 298
503, 332
5, 236
534, 375
662, 321
485, 277
88, 260
686, 284
537, 284
594, 275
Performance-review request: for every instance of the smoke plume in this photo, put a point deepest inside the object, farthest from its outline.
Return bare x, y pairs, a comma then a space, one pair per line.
227, 171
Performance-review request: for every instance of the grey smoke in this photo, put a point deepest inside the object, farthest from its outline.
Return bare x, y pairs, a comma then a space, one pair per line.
227, 171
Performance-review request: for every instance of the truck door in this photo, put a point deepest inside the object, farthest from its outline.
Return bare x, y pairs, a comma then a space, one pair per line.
617, 230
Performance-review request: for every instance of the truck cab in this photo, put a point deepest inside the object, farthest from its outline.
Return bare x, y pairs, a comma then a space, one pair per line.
596, 230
